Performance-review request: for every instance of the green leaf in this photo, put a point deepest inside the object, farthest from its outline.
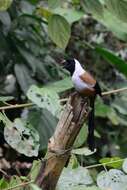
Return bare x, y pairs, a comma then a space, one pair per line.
59, 30
118, 8
35, 187
73, 178
36, 165
71, 15
45, 123
45, 98
6, 98
5, 4
94, 7
23, 76
109, 19
54, 3
113, 59
83, 151
82, 136
44, 12
61, 85
73, 162
21, 136
116, 165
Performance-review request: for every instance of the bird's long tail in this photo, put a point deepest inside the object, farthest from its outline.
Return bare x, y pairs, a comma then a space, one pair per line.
91, 125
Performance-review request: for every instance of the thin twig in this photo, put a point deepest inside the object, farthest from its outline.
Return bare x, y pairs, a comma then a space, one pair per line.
104, 164
16, 106
62, 100
4, 173
20, 185
114, 91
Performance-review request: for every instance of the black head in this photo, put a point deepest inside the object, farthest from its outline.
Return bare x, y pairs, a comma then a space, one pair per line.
69, 64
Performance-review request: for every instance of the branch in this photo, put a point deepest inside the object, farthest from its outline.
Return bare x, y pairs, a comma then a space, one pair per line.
114, 91
20, 185
16, 106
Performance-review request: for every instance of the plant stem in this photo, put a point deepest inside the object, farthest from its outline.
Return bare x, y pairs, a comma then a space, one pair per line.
114, 91
104, 164
62, 100
20, 185
16, 106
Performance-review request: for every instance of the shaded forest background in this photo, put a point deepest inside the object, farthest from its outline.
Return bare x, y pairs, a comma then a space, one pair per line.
30, 53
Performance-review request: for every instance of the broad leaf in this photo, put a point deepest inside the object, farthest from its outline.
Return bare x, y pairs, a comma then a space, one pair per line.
23, 76
74, 178
59, 30
44, 122
117, 164
71, 15
45, 98
83, 151
6, 98
118, 8
21, 136
94, 7
113, 179
61, 85
113, 59
54, 3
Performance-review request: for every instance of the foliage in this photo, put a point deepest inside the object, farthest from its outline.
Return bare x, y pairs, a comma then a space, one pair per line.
29, 71
21, 136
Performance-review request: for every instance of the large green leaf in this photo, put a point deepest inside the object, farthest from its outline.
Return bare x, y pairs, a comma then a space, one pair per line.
61, 85
21, 136
54, 3
5, 4
45, 123
113, 59
74, 178
109, 19
23, 76
59, 30
71, 15
118, 8
94, 7
45, 98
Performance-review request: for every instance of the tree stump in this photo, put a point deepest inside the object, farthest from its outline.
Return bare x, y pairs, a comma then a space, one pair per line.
60, 144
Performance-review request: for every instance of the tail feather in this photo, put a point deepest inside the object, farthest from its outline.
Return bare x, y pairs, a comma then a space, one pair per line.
91, 126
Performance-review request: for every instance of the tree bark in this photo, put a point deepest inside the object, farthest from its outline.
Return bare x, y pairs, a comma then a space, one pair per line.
60, 144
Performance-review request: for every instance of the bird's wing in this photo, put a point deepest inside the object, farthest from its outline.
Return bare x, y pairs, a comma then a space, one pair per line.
87, 78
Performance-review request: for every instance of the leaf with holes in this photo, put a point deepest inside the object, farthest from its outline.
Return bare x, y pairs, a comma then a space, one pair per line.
45, 98
59, 30
113, 179
74, 178
21, 136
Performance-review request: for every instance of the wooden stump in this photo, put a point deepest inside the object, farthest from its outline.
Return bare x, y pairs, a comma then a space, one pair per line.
60, 144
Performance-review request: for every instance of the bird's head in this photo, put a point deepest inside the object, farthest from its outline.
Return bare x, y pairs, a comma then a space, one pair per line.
69, 65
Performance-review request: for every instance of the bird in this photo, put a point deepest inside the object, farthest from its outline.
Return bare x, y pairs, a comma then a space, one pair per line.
86, 85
